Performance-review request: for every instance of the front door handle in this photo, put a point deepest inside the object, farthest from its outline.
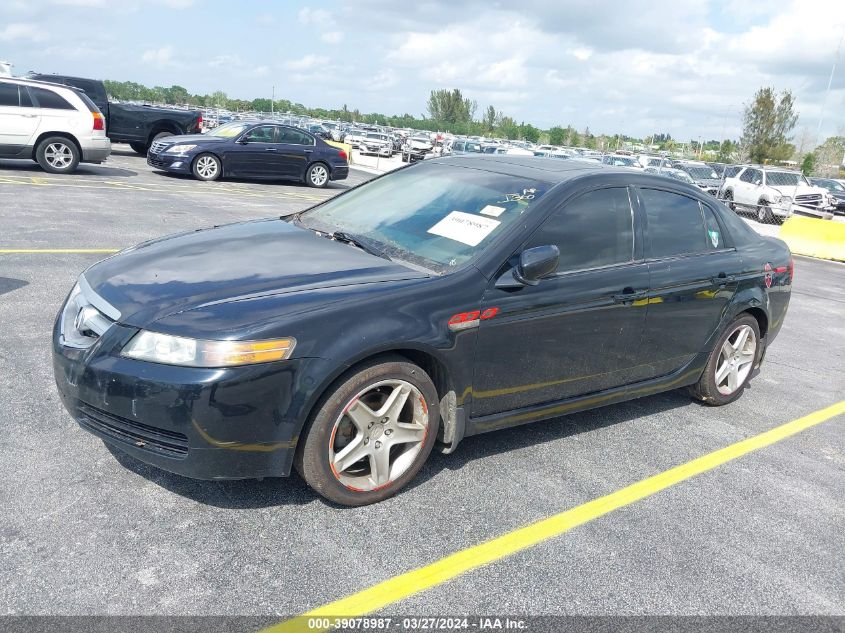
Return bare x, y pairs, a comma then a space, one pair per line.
308, 151
270, 149
29, 116
629, 295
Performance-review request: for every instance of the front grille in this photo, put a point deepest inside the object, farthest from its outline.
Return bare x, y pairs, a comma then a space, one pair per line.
156, 162
148, 438
809, 200
156, 147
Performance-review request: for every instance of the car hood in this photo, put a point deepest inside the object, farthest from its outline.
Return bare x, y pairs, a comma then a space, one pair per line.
801, 190
229, 263
708, 182
180, 139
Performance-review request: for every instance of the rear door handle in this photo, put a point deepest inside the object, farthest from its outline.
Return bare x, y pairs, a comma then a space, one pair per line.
308, 151
270, 149
29, 116
629, 295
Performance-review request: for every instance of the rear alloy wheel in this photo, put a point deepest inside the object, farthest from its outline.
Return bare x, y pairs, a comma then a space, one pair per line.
207, 167
317, 175
57, 155
730, 364
371, 435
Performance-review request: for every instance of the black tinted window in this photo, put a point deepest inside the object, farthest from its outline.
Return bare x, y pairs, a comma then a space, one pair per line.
747, 175
715, 238
675, 224
26, 100
295, 137
593, 230
9, 95
48, 99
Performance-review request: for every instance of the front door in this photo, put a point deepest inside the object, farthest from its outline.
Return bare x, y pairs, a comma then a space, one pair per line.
255, 154
578, 331
693, 272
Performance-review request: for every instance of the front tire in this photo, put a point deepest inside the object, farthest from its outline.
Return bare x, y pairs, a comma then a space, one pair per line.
139, 148
207, 167
764, 213
371, 434
731, 363
57, 155
317, 175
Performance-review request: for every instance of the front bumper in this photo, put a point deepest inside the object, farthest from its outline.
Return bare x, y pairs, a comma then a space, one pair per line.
233, 423
96, 150
381, 150
177, 164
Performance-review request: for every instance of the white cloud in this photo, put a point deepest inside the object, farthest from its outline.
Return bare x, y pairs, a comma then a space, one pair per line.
158, 56
176, 4
332, 37
308, 62
317, 17
81, 3
17, 31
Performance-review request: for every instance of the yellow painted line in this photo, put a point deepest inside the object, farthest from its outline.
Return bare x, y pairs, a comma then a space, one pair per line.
445, 569
52, 251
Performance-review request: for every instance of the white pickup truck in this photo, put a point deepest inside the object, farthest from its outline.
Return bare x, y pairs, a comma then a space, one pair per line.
774, 194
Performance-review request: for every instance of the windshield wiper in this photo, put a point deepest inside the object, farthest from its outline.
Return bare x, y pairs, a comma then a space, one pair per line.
346, 238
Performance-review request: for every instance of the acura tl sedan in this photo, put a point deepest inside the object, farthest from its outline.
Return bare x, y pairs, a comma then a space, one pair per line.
452, 297
249, 149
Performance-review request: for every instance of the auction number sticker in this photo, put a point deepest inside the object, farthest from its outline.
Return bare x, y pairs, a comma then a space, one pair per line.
464, 227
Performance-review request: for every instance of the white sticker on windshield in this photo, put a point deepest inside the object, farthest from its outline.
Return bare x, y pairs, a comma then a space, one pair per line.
491, 210
464, 228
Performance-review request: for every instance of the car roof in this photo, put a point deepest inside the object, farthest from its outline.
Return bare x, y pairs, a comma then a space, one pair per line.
548, 170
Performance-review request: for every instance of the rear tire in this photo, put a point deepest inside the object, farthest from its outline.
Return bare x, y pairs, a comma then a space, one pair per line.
764, 213
371, 434
139, 148
317, 176
731, 363
57, 155
729, 200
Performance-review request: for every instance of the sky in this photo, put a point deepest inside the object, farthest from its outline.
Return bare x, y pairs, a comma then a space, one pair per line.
639, 67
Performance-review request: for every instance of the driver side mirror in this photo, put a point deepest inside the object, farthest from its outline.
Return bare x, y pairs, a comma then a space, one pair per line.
534, 264
242, 140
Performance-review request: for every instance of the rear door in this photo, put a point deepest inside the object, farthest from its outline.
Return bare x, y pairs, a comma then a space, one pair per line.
578, 330
296, 149
19, 120
693, 270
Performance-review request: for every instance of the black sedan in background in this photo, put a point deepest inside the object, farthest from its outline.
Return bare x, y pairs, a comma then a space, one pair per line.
261, 150
453, 297
835, 188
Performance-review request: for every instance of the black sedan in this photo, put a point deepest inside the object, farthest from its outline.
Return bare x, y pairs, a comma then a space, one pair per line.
452, 297
836, 190
262, 150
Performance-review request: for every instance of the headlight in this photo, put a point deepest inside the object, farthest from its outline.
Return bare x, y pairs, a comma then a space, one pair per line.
188, 352
179, 149
777, 199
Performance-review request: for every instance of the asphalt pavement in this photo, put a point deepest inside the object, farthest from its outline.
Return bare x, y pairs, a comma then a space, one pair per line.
85, 530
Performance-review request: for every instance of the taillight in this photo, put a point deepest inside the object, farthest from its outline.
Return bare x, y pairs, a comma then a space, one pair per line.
199, 123
342, 154
99, 121
791, 269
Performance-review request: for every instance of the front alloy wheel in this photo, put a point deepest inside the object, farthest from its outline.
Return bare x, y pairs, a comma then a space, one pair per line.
378, 435
207, 167
371, 434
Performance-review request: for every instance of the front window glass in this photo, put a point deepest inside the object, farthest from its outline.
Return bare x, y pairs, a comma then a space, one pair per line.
435, 216
596, 229
230, 130
701, 173
262, 134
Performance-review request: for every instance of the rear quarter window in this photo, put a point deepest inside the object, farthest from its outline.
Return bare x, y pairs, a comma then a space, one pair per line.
48, 99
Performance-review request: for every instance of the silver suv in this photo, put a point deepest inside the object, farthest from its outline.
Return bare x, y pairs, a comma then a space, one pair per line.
56, 125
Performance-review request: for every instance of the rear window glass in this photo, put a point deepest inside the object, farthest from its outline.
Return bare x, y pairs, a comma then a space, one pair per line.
9, 95
87, 101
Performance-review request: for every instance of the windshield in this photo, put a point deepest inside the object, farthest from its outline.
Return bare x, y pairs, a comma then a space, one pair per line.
473, 147
230, 129
435, 216
784, 179
677, 174
830, 185
380, 137
701, 173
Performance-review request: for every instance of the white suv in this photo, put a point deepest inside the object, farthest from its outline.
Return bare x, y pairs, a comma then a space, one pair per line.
773, 193
58, 126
